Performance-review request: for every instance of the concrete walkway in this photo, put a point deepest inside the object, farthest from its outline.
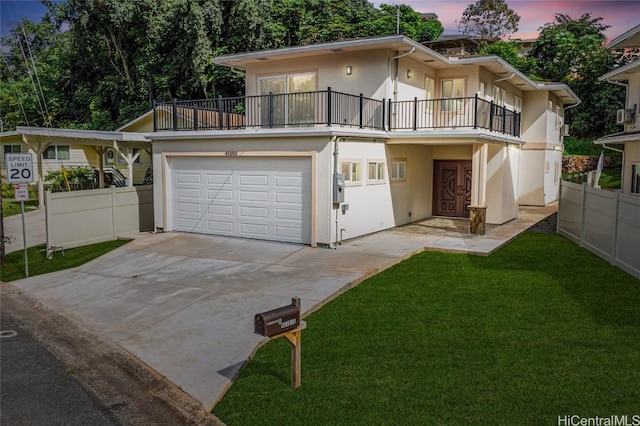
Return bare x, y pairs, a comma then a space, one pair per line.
184, 303
34, 226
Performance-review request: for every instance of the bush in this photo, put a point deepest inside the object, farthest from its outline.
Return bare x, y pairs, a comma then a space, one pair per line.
8, 192
75, 179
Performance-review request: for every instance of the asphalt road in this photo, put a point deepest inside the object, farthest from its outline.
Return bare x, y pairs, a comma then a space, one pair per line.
36, 389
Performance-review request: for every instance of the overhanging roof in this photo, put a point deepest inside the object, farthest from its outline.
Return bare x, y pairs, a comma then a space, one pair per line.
83, 137
402, 44
628, 39
623, 72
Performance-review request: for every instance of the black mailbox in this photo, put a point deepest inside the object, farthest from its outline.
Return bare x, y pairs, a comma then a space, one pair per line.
278, 320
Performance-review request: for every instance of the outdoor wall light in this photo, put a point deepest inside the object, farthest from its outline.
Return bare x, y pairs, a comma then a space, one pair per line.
409, 74
349, 70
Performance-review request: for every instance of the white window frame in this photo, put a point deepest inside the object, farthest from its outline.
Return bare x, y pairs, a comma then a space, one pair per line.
398, 170
482, 93
288, 78
499, 95
556, 173
352, 173
12, 148
379, 172
57, 154
558, 117
517, 103
453, 102
429, 92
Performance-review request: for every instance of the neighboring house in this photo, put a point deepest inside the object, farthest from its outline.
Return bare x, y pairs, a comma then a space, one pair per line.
68, 148
54, 149
627, 116
337, 140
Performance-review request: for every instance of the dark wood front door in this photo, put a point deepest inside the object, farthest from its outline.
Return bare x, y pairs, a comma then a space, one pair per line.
452, 188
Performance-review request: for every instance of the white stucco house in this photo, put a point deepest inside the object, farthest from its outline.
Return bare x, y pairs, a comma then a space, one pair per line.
337, 140
628, 116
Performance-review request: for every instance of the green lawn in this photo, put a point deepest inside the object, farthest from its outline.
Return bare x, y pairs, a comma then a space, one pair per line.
11, 207
13, 268
611, 179
542, 328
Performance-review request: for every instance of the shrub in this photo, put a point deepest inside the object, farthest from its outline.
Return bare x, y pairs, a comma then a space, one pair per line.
75, 179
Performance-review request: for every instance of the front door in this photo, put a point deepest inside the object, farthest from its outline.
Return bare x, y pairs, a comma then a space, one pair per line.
452, 188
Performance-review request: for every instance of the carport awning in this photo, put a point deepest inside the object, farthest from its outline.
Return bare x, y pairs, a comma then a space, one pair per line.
82, 137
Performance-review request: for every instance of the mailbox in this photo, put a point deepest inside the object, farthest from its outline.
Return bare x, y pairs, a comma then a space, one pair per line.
278, 320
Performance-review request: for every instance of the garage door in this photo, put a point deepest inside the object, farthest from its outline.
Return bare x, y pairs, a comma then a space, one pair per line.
264, 198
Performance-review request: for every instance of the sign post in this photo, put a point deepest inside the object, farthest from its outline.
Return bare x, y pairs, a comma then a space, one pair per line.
20, 173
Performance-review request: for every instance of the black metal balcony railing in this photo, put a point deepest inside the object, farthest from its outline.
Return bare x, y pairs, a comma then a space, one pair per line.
330, 108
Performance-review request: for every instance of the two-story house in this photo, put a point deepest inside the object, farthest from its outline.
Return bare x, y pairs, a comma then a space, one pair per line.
337, 140
627, 76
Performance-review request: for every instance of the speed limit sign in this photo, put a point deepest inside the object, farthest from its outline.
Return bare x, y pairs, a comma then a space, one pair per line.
19, 167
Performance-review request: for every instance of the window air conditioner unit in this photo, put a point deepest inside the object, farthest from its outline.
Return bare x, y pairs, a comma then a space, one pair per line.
564, 130
624, 116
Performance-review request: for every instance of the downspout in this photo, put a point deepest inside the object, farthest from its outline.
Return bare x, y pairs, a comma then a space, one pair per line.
395, 82
335, 141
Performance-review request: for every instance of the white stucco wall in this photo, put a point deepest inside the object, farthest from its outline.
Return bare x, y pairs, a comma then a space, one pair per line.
532, 177
502, 183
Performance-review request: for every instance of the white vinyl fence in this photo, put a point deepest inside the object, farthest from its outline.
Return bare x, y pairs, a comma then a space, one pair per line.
606, 223
79, 218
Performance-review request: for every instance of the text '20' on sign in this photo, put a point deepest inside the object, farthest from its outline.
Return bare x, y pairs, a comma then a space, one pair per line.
19, 168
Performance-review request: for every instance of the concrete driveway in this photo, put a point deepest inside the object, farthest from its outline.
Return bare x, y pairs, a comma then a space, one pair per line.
184, 303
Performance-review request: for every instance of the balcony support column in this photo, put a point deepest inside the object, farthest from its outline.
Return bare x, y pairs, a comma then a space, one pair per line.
479, 174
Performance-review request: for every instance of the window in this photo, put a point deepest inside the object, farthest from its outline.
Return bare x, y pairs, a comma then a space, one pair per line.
556, 172
429, 91
376, 171
547, 166
517, 104
56, 152
453, 94
558, 117
498, 95
635, 178
291, 109
351, 171
11, 149
483, 90
398, 169
133, 153
550, 105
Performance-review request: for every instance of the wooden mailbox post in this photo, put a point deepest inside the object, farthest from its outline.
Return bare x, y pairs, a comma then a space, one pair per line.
285, 322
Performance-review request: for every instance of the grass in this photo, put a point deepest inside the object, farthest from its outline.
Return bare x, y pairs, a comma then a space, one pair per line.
13, 268
11, 207
611, 179
539, 329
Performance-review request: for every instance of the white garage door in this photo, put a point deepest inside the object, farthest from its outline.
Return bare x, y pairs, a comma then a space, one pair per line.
264, 198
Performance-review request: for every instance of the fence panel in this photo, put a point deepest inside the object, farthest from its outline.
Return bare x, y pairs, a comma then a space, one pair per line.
79, 218
606, 223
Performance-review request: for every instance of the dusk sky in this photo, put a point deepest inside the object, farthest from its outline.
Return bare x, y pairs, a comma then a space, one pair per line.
621, 15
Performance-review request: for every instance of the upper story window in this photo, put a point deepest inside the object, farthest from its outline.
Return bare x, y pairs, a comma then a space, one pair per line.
453, 94
351, 171
482, 93
499, 95
517, 103
429, 91
56, 152
11, 149
291, 109
550, 105
558, 117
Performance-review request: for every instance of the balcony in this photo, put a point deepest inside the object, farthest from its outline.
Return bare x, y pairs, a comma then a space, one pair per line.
330, 108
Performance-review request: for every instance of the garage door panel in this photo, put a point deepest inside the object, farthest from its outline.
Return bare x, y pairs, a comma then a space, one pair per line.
254, 230
219, 226
186, 177
251, 212
219, 194
245, 197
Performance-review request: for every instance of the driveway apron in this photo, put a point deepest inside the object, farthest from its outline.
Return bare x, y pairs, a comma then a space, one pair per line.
184, 303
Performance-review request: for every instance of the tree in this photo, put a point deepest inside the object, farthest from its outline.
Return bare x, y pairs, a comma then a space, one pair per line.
510, 51
572, 51
489, 20
411, 23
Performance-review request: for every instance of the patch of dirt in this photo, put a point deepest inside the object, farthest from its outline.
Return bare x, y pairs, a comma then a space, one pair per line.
546, 226
130, 392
